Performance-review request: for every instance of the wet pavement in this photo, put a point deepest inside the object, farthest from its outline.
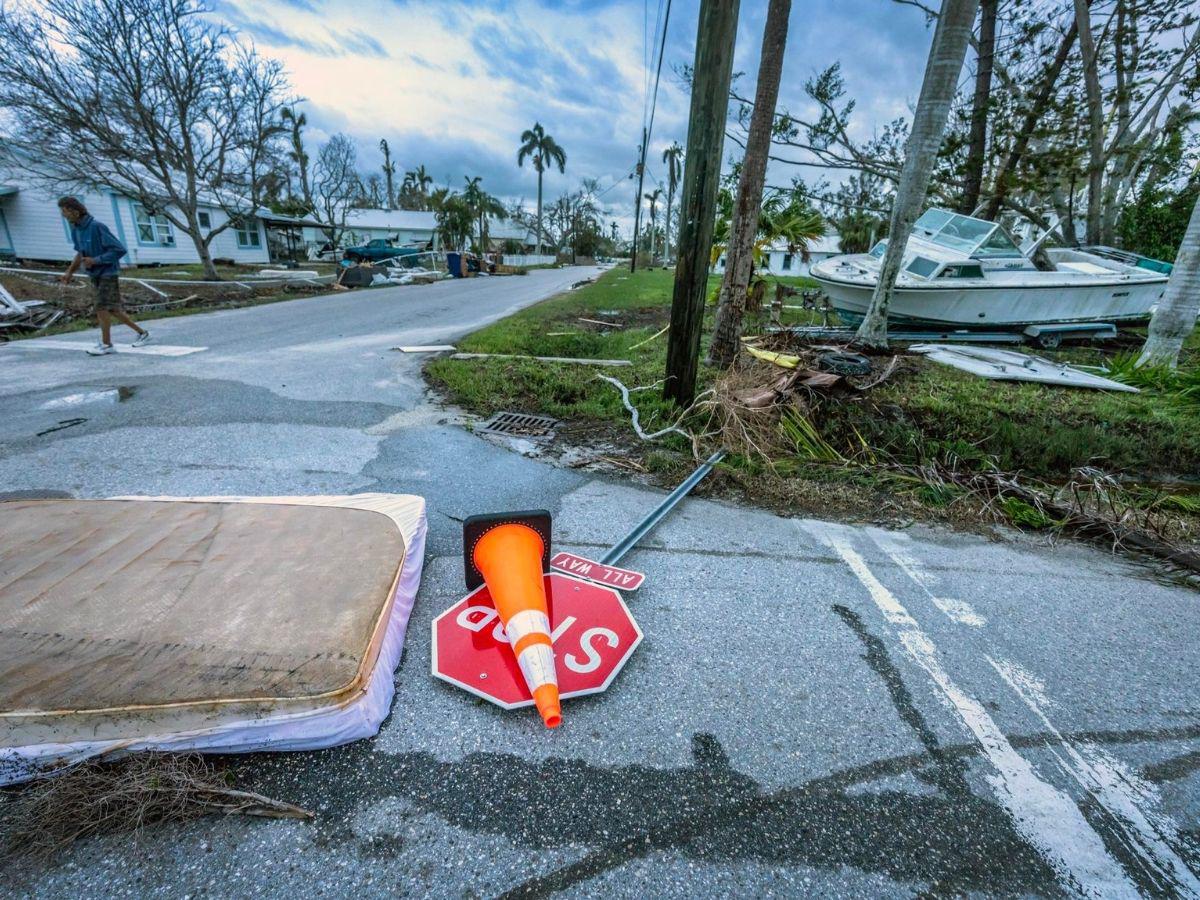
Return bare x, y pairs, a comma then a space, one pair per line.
815, 710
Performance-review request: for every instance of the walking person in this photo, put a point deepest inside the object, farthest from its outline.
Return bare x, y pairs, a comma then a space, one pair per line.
99, 252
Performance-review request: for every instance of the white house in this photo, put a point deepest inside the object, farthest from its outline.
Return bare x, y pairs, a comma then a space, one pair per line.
403, 227
31, 227
782, 261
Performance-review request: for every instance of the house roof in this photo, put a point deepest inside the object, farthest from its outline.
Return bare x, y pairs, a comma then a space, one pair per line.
506, 229
392, 219
274, 218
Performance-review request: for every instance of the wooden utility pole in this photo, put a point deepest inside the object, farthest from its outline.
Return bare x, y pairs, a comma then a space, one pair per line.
711, 73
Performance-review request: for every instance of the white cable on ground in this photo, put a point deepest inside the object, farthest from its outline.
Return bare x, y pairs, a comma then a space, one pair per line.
637, 427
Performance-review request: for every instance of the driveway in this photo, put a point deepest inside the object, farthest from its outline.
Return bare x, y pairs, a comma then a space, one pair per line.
816, 709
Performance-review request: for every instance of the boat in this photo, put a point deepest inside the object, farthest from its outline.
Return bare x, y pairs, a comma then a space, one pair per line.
963, 272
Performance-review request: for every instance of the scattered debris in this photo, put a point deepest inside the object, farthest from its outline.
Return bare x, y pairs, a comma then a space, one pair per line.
1105, 523
784, 360
842, 363
511, 424
62, 426
1008, 365
30, 315
562, 333
554, 359
604, 324
426, 348
287, 274
90, 798
652, 337
673, 428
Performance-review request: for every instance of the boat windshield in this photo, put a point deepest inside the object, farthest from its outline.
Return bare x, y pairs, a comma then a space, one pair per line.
964, 233
879, 249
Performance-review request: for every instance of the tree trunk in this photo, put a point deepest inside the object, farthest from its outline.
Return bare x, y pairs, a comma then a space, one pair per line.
977, 151
201, 245
945, 64
667, 225
1175, 316
539, 222
743, 229
1032, 116
1095, 102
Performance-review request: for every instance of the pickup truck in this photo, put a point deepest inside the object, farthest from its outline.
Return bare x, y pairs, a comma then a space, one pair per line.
377, 250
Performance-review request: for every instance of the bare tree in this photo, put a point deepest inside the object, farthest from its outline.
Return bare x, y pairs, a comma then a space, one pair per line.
1175, 316
739, 257
146, 97
336, 185
945, 64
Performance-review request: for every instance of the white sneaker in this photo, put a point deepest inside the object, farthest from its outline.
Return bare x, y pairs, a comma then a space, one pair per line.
141, 340
101, 350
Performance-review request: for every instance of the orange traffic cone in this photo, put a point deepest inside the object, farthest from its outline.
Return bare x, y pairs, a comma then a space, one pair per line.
510, 555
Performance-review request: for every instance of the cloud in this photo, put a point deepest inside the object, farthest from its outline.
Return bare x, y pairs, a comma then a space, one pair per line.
452, 84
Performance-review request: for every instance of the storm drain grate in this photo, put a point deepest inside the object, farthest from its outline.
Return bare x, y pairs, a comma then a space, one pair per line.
538, 428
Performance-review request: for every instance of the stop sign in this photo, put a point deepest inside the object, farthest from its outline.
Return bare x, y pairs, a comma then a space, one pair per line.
591, 628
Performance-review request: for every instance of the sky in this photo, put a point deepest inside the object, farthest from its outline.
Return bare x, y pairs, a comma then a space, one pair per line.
451, 84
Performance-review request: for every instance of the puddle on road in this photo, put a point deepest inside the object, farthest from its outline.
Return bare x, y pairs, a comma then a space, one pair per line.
118, 394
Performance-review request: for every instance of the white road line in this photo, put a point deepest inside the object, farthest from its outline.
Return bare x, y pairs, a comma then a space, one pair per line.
1149, 833
1045, 816
955, 610
148, 350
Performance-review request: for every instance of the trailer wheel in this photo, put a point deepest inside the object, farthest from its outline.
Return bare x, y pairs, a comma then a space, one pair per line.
1049, 341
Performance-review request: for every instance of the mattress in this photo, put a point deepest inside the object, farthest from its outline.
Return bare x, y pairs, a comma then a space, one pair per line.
222, 624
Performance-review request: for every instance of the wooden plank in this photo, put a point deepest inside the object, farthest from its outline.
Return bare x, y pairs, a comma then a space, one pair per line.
554, 359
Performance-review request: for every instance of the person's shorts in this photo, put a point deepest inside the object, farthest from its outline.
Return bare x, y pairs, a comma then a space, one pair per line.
106, 293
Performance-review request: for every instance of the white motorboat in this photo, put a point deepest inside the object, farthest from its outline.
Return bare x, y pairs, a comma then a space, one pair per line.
964, 272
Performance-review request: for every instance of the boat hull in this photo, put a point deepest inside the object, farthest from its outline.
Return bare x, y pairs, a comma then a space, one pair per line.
1000, 306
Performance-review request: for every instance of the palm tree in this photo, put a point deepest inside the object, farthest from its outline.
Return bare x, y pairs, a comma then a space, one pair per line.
490, 207
942, 71
389, 172
1175, 316
544, 151
415, 189
727, 330
297, 122
471, 195
653, 201
673, 157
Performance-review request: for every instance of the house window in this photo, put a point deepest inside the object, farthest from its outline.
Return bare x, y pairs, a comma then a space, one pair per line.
247, 234
787, 262
721, 262
152, 230
204, 219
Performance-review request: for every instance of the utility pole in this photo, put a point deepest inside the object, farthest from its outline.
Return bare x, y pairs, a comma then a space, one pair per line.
701, 176
637, 201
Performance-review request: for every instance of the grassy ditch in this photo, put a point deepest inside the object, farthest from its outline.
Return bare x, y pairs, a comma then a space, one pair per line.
873, 455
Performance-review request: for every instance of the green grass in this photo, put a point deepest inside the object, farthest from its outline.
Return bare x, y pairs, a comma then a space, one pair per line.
925, 413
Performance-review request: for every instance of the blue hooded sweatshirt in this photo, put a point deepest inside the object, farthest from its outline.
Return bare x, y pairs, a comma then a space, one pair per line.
92, 238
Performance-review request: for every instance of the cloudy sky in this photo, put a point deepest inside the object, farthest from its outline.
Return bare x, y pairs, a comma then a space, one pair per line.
452, 84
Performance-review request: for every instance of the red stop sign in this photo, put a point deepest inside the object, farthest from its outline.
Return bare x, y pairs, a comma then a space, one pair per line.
592, 629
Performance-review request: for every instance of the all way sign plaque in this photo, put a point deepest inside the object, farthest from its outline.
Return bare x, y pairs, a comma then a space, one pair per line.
582, 567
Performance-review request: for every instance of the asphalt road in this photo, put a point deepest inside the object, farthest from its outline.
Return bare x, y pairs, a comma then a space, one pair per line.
816, 709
